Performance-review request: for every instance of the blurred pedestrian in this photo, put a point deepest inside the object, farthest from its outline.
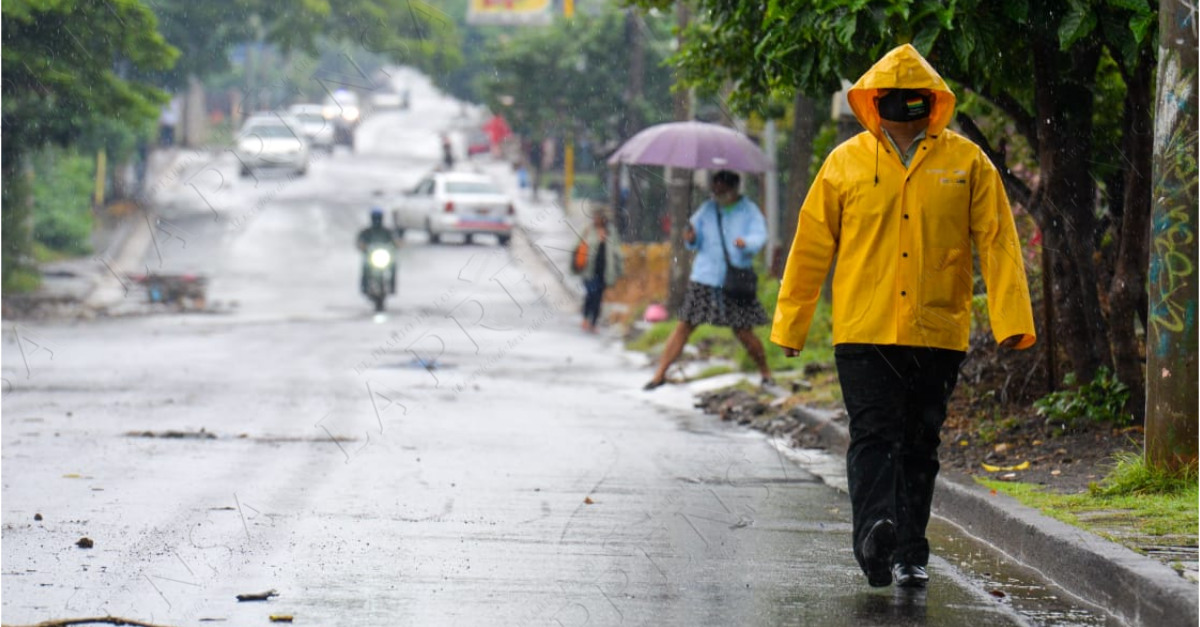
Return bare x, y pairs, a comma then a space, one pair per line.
897, 207
603, 263
726, 232
168, 119
447, 152
537, 158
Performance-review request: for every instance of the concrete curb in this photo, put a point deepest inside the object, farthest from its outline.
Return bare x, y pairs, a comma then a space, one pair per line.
1137, 590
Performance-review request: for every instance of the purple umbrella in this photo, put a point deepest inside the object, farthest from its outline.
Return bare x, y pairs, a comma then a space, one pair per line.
694, 145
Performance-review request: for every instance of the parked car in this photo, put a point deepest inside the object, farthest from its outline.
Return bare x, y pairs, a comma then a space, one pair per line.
477, 142
462, 203
317, 129
272, 140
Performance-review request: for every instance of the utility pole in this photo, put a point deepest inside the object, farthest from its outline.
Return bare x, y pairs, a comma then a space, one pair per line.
569, 139
679, 194
1171, 336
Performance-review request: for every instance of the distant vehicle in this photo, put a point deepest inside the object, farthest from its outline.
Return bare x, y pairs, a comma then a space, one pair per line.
478, 143
317, 129
272, 140
343, 109
384, 98
462, 203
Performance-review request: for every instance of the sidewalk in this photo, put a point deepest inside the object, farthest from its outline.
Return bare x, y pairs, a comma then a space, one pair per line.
86, 286
1136, 589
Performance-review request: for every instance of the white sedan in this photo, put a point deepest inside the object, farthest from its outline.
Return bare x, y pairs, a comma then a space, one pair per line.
272, 141
317, 129
461, 203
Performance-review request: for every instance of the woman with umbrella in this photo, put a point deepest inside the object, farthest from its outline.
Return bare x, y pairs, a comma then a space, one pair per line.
726, 232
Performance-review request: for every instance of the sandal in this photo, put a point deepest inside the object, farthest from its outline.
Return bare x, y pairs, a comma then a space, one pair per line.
654, 383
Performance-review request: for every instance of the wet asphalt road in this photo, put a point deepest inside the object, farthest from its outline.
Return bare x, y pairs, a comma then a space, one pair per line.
523, 480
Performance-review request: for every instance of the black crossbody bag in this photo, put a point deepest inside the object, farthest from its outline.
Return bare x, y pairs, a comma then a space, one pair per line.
740, 283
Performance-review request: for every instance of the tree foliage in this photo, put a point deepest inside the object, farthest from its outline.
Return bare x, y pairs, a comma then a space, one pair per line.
67, 68
575, 76
66, 64
411, 32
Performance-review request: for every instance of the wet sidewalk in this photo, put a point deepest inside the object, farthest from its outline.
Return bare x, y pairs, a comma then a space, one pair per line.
1136, 589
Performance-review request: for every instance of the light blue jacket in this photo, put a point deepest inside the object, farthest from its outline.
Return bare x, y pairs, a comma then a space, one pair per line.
743, 220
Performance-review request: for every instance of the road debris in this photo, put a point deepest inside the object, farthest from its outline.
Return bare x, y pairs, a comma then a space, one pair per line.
106, 620
173, 434
85, 543
261, 596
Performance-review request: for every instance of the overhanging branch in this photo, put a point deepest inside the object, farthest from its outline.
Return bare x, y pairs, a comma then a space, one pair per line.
1016, 188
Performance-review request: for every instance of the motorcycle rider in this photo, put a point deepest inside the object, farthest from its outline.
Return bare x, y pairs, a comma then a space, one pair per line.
375, 235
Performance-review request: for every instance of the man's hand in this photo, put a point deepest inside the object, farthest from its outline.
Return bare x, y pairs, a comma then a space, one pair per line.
739, 242
689, 234
1011, 341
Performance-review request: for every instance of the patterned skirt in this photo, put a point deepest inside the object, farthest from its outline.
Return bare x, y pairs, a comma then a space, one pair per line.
705, 304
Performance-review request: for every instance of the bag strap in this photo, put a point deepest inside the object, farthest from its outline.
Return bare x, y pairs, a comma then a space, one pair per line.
721, 230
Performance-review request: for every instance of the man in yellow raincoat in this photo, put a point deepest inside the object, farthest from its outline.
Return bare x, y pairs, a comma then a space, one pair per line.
899, 207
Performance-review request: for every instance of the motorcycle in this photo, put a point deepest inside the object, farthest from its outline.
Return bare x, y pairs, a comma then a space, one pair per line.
381, 275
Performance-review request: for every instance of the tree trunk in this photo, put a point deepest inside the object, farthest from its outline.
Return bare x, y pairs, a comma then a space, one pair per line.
1171, 337
800, 155
1129, 278
679, 197
17, 216
631, 203
1067, 195
637, 74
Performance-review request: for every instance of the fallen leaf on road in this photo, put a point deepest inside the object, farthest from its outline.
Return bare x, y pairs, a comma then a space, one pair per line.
588, 500
997, 593
1021, 466
281, 618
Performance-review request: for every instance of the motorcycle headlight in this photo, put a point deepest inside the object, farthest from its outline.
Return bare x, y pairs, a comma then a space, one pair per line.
350, 114
381, 258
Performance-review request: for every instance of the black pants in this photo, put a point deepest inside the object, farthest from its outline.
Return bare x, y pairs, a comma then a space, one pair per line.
896, 397
591, 302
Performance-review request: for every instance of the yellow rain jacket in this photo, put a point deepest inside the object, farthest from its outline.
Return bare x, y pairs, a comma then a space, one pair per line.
902, 236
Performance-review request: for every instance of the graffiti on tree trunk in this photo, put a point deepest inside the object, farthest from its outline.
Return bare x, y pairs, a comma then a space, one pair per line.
1172, 269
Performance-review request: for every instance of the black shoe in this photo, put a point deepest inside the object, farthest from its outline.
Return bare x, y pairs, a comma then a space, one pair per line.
876, 550
909, 575
656, 383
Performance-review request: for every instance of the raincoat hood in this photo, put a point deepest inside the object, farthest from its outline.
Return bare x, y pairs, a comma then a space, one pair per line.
902, 68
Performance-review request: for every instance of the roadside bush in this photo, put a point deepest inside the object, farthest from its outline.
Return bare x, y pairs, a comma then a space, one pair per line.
1102, 400
62, 210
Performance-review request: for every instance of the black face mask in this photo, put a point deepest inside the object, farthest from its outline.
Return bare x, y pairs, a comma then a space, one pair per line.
904, 105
